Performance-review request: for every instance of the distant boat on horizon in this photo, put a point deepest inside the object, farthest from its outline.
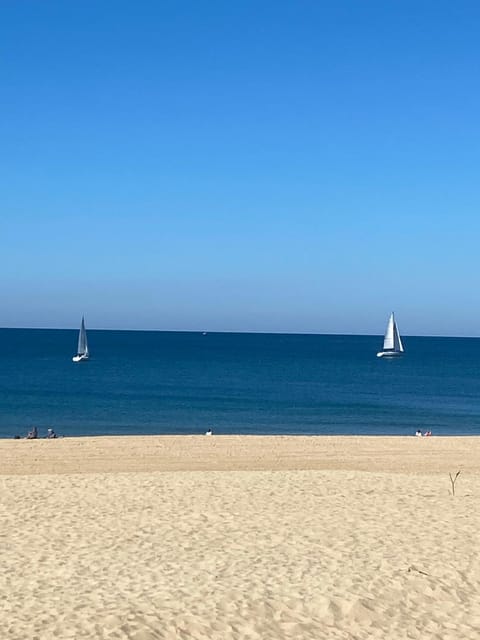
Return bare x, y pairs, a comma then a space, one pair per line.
392, 343
82, 349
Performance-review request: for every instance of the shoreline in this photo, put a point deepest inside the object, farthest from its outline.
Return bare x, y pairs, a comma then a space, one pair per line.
161, 453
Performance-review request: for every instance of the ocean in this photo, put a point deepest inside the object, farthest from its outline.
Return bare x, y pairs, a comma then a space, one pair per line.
140, 382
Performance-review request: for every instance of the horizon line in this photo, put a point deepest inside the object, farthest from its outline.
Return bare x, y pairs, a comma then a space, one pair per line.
260, 332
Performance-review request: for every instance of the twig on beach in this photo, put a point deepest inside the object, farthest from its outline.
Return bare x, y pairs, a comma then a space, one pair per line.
453, 480
412, 568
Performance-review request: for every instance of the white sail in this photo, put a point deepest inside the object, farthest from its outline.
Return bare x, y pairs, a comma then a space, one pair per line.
397, 341
82, 348
392, 343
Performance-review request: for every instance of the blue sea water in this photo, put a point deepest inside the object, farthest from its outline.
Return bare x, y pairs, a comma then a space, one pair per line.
168, 382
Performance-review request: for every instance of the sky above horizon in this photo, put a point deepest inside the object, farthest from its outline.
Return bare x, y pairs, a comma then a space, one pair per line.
298, 166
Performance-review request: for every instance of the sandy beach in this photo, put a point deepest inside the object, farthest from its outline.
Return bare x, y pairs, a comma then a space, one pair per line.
240, 537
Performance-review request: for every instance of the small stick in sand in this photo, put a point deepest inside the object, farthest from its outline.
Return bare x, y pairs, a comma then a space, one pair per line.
412, 568
453, 480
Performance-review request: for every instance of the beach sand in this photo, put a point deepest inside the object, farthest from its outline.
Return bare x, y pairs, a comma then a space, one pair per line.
238, 537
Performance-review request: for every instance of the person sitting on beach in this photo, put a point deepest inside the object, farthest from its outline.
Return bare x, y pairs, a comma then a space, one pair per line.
208, 432
427, 434
33, 434
418, 433
51, 433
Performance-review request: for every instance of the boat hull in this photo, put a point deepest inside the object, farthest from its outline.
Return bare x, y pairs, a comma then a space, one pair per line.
389, 354
80, 358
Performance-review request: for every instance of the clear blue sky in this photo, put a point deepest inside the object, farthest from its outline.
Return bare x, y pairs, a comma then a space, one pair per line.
240, 166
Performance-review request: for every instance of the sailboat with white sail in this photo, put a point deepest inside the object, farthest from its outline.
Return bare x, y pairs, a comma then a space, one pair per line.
392, 343
82, 349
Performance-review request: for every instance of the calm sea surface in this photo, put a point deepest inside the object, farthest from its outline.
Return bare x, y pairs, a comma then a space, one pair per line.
165, 382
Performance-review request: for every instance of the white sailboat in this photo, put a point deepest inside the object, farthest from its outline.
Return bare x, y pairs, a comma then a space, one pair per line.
392, 343
82, 349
